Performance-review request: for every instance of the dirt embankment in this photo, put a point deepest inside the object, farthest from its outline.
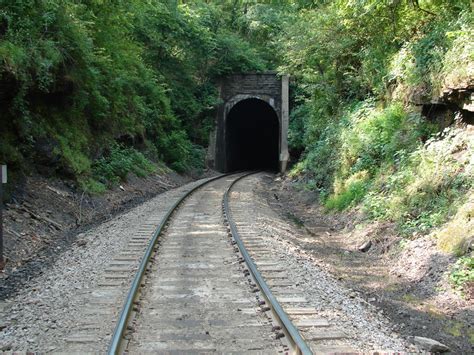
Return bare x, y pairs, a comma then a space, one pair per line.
44, 216
406, 279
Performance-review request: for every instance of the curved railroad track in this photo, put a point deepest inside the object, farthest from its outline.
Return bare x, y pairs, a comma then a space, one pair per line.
200, 287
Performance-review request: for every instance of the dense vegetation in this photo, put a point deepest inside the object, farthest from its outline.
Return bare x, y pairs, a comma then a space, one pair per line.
365, 69
366, 75
76, 78
84, 85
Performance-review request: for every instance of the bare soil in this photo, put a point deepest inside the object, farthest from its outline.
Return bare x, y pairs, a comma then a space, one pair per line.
44, 215
406, 279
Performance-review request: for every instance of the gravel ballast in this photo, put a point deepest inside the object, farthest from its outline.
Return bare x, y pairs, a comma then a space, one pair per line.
41, 316
365, 325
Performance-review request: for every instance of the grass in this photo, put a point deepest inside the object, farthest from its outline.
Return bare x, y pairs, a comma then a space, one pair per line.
348, 192
93, 186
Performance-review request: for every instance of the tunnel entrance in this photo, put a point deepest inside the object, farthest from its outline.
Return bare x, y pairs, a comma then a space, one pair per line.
252, 136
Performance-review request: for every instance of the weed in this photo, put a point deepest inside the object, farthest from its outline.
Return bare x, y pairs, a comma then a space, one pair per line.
462, 273
349, 193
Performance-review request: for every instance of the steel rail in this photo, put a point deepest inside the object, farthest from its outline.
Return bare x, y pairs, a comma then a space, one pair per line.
288, 327
114, 346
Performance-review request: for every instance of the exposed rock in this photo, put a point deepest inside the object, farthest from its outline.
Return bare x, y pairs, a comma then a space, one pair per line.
365, 247
430, 345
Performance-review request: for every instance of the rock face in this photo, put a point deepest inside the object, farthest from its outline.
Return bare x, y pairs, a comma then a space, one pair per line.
430, 345
462, 96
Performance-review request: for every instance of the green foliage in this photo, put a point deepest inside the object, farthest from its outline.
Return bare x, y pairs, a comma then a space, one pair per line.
297, 127
427, 186
462, 274
356, 65
120, 161
83, 74
183, 155
352, 194
93, 186
437, 57
375, 137
376, 157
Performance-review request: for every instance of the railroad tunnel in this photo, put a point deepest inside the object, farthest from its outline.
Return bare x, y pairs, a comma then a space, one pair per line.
252, 136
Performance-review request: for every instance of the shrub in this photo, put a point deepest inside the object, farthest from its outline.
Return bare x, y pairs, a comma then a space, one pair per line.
86, 73
376, 137
428, 185
119, 163
93, 186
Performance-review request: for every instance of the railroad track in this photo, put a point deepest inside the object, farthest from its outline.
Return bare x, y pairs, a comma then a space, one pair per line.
207, 282
198, 290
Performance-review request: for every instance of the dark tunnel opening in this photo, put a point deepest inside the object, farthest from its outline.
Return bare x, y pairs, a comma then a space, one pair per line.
252, 136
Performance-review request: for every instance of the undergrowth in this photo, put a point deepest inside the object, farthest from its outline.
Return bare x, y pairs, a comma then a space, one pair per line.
457, 236
362, 77
462, 274
391, 163
82, 75
110, 170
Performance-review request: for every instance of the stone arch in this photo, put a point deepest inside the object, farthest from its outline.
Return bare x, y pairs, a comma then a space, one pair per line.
234, 89
240, 97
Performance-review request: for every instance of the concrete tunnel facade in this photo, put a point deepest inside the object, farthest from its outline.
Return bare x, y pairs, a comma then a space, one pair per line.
252, 124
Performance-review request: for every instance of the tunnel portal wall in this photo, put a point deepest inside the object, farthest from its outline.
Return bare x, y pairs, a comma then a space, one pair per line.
268, 87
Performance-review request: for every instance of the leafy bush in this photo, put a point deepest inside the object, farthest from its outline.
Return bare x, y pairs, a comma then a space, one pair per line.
92, 186
121, 161
182, 155
427, 186
355, 63
441, 56
377, 137
84, 73
376, 157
